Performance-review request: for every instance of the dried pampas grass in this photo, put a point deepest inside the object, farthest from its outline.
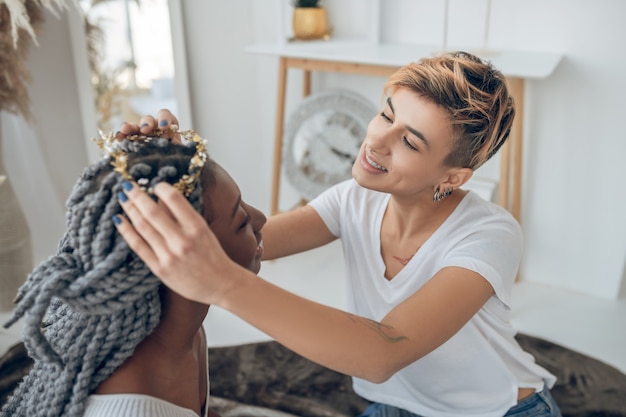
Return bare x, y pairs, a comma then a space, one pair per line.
20, 14
19, 22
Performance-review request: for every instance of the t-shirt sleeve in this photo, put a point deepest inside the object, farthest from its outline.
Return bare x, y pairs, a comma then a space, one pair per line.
493, 249
328, 205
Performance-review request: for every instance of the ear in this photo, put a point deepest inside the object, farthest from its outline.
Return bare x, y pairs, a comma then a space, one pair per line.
455, 178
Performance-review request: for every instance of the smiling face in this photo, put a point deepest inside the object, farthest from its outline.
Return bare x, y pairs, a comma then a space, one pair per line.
236, 224
405, 146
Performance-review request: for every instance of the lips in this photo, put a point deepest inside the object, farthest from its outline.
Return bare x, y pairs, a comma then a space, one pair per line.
369, 161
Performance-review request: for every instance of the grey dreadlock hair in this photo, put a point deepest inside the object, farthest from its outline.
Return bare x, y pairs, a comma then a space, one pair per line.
98, 299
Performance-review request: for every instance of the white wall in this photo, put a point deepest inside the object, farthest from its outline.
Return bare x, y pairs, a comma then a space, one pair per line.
573, 204
53, 146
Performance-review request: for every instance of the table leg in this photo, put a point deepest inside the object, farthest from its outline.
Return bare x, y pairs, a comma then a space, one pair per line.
278, 138
505, 174
517, 90
510, 189
306, 83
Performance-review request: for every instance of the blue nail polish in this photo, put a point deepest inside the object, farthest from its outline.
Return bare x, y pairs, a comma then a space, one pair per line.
127, 185
117, 220
122, 197
162, 122
144, 125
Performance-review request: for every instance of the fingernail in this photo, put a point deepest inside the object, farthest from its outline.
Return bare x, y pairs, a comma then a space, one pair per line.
162, 122
144, 125
127, 185
122, 197
117, 220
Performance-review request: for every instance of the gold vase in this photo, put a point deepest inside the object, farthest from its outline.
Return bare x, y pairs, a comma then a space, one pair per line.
310, 23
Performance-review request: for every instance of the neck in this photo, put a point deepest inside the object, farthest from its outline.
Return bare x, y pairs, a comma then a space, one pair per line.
180, 321
410, 216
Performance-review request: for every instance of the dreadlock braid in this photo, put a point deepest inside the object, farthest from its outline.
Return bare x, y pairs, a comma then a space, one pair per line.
87, 308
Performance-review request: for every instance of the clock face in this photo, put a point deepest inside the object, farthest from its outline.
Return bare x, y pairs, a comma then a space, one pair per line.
322, 140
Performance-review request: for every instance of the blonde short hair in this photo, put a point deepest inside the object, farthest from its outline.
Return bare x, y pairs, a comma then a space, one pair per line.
475, 96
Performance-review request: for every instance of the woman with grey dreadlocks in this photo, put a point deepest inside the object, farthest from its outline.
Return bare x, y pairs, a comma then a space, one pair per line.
106, 337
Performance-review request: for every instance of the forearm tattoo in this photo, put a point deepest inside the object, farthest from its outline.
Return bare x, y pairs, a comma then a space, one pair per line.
381, 329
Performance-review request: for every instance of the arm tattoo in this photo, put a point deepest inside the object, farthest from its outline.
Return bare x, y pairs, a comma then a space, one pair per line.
379, 328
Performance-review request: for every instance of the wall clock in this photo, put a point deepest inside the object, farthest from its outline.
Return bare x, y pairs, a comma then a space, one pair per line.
322, 139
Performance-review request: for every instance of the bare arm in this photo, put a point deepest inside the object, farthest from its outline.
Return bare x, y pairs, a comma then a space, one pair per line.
293, 232
356, 345
191, 262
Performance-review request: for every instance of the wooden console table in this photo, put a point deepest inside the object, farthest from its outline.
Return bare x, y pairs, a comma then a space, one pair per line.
365, 58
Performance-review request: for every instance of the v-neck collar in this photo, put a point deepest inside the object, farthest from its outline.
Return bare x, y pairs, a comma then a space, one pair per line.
422, 249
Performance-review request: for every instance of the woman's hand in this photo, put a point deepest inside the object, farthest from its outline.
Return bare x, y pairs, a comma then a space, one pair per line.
147, 124
176, 243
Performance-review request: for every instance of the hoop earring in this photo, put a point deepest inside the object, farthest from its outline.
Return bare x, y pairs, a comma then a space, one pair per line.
438, 196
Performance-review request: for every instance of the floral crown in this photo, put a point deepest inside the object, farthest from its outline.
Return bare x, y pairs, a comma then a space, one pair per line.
111, 148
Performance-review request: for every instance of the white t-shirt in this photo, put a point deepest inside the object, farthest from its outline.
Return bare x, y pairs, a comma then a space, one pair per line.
479, 370
133, 405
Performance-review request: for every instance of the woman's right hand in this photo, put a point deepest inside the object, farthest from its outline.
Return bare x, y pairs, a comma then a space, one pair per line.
163, 120
176, 243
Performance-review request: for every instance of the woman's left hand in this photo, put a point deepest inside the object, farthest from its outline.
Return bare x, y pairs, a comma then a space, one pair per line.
148, 124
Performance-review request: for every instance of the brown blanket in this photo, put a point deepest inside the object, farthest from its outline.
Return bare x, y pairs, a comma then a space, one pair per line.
267, 380
269, 375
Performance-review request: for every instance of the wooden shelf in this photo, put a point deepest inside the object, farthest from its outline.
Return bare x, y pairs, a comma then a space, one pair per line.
379, 59
512, 63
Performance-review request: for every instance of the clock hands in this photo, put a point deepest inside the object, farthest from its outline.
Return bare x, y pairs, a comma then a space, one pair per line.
337, 152
322, 139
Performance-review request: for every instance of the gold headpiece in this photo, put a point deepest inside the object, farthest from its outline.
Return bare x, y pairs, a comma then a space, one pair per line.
110, 146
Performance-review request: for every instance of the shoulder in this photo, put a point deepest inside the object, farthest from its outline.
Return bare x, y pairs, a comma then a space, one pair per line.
486, 239
477, 213
483, 231
347, 192
348, 201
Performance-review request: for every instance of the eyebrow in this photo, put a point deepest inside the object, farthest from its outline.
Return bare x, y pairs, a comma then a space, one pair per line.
237, 204
416, 132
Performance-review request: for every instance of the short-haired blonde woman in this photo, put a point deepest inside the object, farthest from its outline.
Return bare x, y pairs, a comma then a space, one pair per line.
430, 266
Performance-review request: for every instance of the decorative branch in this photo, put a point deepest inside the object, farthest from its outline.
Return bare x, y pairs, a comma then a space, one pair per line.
21, 18
19, 22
